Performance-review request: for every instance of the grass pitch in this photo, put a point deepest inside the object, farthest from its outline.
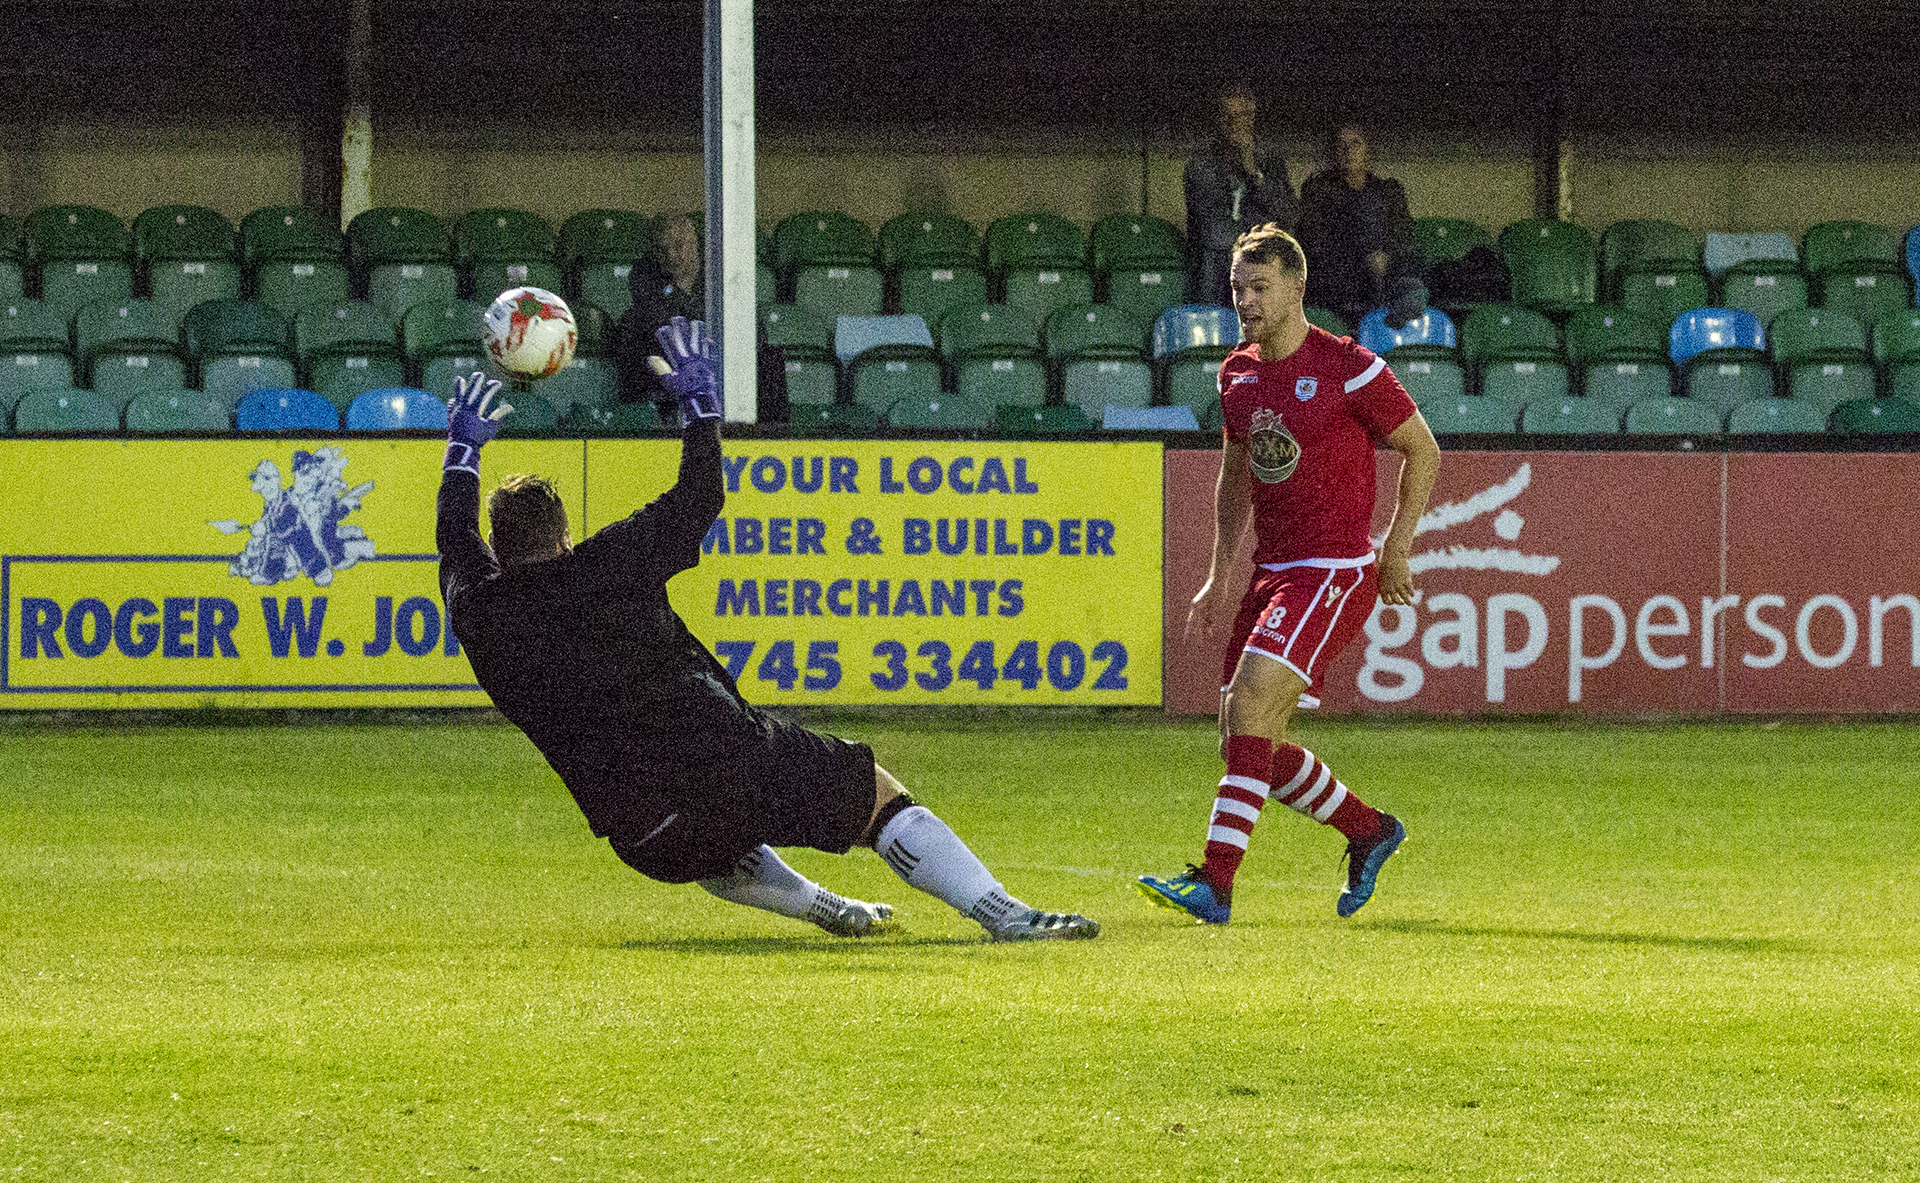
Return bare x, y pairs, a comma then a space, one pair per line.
395, 952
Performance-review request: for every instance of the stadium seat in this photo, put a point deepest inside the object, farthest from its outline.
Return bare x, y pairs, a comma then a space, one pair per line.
1661, 295
1721, 356
1423, 353
295, 258
35, 353
1666, 415
1330, 321
1645, 244
805, 336
1139, 264
237, 346
1763, 291
1096, 351
1569, 416
993, 353
160, 411
1775, 416
13, 260
398, 408
22, 372
586, 380
1857, 269
597, 250
1866, 297
285, 410
500, 248
1617, 357
443, 339
1896, 345
933, 262
1021, 422
1038, 261
1726, 254
119, 377
1875, 416
122, 326
834, 420
404, 256
938, 412
64, 412
1552, 264
81, 255
347, 349
1515, 354
1189, 343
1470, 414
1822, 357
1149, 419
533, 415
1444, 240
887, 359
826, 259
611, 419
185, 255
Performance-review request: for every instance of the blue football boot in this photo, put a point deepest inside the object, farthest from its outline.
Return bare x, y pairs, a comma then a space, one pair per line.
1186, 893
1364, 860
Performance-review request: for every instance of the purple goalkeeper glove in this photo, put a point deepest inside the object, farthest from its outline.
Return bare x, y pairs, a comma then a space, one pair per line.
469, 423
687, 368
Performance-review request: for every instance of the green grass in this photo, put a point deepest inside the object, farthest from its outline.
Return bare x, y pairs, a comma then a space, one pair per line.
394, 952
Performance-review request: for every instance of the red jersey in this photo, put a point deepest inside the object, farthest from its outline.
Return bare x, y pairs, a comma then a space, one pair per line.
1309, 422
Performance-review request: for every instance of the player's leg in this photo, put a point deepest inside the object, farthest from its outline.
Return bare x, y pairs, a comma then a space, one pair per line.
926, 853
761, 879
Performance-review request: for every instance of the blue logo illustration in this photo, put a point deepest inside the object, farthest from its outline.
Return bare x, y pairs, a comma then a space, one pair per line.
298, 531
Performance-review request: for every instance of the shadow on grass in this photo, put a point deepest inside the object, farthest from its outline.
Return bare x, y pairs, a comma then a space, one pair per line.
1657, 940
764, 946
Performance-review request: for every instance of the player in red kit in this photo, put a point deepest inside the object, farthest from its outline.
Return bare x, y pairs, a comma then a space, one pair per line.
1303, 411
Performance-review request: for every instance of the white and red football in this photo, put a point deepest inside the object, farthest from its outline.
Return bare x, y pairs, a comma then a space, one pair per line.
530, 332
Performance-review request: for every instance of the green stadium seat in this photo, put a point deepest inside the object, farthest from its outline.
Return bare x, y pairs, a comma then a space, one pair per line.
406, 257
826, 259
443, 327
64, 412
1444, 240
342, 375
1660, 296
1666, 415
503, 248
351, 325
1721, 356
1618, 357
1470, 414
1775, 416
940, 412
1515, 353
237, 346
1098, 352
1851, 247
1330, 321
533, 416
295, 258
122, 326
931, 292
834, 420
597, 250
186, 254
1189, 343
1047, 291
1569, 416
1725, 380
1645, 244
1822, 357
396, 288
13, 259
1552, 264
586, 380
1865, 296
121, 377
160, 411
1875, 416
929, 240
34, 340
23, 371
805, 337
887, 359
993, 353
1139, 264
1764, 291
1019, 422
612, 419
81, 254
1038, 261
1896, 345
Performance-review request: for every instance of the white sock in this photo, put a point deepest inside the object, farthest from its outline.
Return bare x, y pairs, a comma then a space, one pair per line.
762, 880
926, 853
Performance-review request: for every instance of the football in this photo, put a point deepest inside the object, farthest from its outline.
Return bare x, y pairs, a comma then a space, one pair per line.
530, 332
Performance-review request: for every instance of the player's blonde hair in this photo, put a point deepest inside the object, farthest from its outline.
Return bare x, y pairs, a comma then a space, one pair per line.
529, 519
1268, 243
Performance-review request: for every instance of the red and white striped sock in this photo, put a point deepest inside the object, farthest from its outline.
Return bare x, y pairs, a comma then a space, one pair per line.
1302, 782
1236, 806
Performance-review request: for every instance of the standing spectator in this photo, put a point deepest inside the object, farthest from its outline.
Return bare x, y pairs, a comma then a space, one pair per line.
1358, 235
1233, 183
666, 283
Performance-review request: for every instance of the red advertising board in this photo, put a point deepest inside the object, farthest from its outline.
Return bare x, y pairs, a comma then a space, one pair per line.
1615, 583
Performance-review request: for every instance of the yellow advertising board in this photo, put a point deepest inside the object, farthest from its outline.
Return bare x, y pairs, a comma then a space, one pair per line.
172, 573
919, 572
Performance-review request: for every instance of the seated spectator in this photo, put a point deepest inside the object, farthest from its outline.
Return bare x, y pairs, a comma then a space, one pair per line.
1358, 236
1233, 183
665, 284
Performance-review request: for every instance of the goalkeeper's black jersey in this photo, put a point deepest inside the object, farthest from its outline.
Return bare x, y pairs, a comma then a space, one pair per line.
584, 653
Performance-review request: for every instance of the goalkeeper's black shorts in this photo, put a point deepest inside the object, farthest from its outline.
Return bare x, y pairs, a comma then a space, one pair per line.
791, 787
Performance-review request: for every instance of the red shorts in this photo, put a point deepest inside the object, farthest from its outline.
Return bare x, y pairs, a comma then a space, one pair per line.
1302, 617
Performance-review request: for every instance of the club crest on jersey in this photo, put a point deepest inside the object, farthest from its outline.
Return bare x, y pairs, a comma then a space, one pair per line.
1271, 447
1306, 388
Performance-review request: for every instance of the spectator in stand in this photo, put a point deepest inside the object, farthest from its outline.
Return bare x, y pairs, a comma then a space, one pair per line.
1233, 183
667, 283
1358, 235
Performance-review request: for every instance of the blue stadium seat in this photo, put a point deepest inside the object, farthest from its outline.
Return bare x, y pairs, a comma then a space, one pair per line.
1149, 419
1189, 343
1431, 328
1708, 330
285, 410
1423, 353
1721, 355
887, 359
397, 408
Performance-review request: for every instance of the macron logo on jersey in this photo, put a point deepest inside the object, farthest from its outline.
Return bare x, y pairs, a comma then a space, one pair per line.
1239, 378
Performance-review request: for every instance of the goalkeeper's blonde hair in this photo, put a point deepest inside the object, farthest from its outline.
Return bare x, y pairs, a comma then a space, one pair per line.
529, 520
